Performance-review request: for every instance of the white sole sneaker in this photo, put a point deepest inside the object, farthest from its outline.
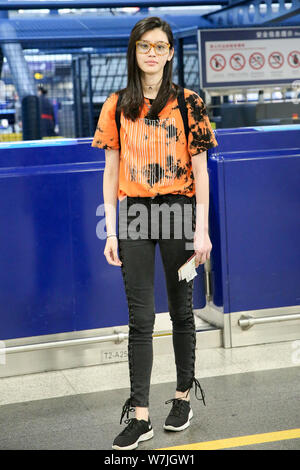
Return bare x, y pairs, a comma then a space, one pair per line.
143, 437
181, 428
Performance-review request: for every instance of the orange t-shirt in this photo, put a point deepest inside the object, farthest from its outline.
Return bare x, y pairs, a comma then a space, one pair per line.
155, 157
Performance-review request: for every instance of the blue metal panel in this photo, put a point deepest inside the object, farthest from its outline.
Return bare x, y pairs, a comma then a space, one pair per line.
263, 249
91, 31
217, 230
37, 288
253, 12
37, 4
268, 138
255, 179
54, 276
36, 294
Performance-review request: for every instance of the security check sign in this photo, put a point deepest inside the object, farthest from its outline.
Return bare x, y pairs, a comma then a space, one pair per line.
249, 56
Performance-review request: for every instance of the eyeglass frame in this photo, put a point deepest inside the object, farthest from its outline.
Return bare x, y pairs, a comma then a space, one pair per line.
152, 45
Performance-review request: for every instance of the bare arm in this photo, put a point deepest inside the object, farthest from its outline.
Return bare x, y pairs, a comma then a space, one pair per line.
110, 196
199, 165
110, 189
202, 242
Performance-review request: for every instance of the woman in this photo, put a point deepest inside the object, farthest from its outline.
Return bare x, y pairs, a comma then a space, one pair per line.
154, 164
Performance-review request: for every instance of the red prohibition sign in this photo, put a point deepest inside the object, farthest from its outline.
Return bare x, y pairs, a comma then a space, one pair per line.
237, 61
277, 60
256, 60
294, 59
217, 62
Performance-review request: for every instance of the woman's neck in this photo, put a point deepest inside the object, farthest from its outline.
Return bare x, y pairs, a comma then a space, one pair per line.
151, 85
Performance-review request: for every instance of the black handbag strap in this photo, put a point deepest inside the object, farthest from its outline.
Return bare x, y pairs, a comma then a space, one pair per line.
183, 111
118, 119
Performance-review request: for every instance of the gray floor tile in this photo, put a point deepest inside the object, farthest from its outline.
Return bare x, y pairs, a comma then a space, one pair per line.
237, 405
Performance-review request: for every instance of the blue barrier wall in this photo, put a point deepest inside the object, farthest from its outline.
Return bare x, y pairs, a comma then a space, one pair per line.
255, 217
54, 276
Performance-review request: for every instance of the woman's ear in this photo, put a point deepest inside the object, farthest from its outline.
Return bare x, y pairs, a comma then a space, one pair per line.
171, 53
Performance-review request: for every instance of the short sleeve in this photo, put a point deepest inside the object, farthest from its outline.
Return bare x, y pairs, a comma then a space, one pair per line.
106, 134
201, 136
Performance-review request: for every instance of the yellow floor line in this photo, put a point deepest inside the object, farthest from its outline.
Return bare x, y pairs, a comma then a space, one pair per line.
240, 441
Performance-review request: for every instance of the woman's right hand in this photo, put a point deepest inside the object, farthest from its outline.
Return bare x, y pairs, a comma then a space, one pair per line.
111, 251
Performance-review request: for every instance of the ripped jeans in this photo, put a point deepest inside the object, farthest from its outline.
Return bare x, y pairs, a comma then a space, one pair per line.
173, 230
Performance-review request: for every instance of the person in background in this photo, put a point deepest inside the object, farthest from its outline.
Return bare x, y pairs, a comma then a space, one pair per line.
47, 113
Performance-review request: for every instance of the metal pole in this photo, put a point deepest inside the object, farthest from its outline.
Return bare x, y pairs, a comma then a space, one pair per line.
90, 95
180, 63
117, 338
246, 322
51, 5
77, 96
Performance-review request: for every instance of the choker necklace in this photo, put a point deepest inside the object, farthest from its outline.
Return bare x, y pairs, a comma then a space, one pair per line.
150, 87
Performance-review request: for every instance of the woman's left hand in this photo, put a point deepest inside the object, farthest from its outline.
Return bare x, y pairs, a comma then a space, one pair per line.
202, 247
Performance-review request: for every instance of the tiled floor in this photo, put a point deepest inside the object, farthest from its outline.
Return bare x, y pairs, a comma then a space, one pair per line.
209, 363
249, 390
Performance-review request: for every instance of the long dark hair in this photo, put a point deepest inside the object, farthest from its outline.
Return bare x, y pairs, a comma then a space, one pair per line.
132, 97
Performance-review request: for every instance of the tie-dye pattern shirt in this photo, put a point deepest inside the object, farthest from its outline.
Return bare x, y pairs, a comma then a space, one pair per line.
155, 157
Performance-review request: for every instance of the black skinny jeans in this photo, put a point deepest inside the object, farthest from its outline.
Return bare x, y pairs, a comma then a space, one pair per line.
174, 234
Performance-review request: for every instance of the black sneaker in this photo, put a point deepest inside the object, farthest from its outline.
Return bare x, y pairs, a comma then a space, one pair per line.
136, 431
179, 416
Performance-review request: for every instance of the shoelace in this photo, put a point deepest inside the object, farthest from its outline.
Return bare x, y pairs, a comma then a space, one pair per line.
132, 423
197, 386
177, 406
126, 409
